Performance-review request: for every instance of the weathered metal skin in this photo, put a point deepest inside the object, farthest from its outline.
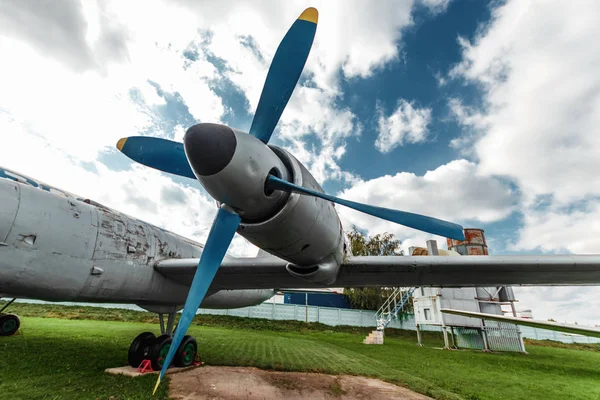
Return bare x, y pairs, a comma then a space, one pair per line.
306, 231
80, 252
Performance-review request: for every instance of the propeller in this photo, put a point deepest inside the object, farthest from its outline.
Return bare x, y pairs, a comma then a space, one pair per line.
228, 165
162, 154
416, 221
221, 234
165, 155
284, 73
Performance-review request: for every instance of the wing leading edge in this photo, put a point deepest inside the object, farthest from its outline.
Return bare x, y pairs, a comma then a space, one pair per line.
440, 271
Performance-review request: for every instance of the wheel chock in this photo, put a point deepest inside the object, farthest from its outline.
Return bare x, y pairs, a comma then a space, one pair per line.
197, 361
145, 366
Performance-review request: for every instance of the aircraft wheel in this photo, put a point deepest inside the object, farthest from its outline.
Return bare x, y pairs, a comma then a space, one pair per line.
159, 350
186, 353
9, 324
139, 349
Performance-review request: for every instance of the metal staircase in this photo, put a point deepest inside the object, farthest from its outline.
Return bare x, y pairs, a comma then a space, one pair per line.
396, 302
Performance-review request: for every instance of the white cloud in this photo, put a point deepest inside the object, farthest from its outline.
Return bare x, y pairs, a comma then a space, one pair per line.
436, 6
356, 39
558, 230
454, 192
472, 121
570, 305
82, 113
65, 97
538, 68
322, 160
65, 32
406, 123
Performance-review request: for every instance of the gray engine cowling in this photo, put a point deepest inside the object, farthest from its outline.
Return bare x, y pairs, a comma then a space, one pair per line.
305, 230
225, 299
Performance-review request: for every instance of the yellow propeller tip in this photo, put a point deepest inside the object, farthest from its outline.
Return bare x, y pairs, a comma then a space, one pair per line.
310, 14
121, 143
156, 386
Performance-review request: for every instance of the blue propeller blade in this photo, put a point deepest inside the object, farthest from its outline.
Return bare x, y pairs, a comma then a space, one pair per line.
161, 154
284, 73
416, 221
219, 238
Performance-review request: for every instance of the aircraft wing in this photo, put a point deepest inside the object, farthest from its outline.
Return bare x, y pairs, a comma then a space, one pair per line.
553, 326
394, 271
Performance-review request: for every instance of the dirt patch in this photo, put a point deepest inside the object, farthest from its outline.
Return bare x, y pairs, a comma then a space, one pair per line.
224, 383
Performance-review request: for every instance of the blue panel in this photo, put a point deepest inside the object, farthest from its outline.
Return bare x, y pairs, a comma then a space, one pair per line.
334, 300
416, 221
282, 77
161, 154
3, 174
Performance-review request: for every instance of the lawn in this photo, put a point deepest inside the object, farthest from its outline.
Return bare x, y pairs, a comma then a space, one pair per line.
58, 358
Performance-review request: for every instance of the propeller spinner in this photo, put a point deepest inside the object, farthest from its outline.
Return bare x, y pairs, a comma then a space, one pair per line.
233, 167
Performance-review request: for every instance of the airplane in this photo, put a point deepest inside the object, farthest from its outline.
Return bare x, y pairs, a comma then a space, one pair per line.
57, 246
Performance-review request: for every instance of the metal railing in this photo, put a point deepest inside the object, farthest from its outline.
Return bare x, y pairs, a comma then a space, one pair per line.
390, 308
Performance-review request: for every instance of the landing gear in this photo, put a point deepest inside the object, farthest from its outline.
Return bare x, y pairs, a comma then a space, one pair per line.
9, 323
159, 351
140, 348
146, 346
186, 353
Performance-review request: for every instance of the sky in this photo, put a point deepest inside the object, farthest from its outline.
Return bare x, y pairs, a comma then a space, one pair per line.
481, 113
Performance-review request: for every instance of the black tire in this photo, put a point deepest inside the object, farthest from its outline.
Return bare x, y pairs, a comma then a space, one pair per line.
139, 349
9, 324
186, 353
159, 350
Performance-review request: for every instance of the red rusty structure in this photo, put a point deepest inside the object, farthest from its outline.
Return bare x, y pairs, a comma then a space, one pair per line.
473, 245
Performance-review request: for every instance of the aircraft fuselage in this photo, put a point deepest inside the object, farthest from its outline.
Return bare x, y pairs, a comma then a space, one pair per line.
56, 246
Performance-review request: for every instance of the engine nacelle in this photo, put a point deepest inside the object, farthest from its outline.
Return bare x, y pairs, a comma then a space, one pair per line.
305, 231
225, 299
325, 272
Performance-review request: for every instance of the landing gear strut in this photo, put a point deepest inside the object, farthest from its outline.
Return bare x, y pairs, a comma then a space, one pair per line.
146, 346
9, 323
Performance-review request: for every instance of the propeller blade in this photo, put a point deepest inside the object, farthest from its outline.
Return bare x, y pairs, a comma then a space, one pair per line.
161, 154
219, 238
284, 73
416, 221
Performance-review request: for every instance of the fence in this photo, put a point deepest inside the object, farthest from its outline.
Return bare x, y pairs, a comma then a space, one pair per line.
340, 316
365, 318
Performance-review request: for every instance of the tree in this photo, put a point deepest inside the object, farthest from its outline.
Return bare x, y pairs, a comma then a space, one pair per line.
371, 298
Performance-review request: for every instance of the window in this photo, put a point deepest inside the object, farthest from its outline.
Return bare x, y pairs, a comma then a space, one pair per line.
427, 313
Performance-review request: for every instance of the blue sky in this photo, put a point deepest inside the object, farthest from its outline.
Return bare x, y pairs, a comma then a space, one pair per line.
482, 113
428, 48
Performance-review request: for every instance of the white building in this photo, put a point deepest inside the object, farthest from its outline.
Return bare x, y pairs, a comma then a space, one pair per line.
464, 331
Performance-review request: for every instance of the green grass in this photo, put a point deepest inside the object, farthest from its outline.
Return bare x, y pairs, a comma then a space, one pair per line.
65, 358
108, 314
